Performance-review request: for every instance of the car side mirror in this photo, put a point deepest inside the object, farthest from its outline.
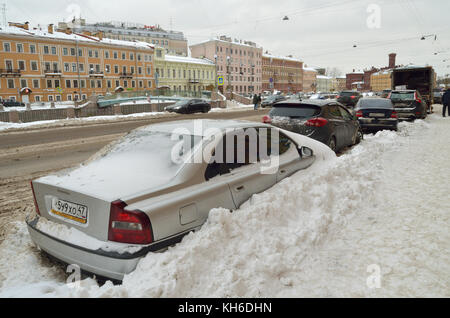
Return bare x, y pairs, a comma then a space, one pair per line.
306, 152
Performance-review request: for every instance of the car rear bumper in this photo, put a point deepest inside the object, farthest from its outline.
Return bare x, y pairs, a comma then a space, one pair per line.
388, 123
101, 263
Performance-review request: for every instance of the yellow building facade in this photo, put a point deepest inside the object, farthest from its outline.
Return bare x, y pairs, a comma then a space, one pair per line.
45, 65
381, 80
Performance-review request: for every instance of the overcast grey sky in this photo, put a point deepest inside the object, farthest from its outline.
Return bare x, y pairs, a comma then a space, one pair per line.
320, 32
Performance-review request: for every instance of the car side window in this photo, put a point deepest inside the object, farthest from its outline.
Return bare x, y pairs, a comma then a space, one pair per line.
231, 154
345, 114
284, 143
335, 111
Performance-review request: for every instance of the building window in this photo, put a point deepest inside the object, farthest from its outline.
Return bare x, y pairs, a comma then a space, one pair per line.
23, 83
21, 65
6, 47
149, 84
75, 83
92, 84
72, 52
53, 50
99, 84
116, 69
109, 84
35, 83
83, 83
49, 84
108, 68
124, 56
74, 67
132, 56
96, 54
57, 83
106, 54
116, 55
68, 84
66, 67
19, 48
50, 98
69, 97
90, 53
58, 98
65, 51
133, 84
81, 67
37, 98
32, 49
80, 52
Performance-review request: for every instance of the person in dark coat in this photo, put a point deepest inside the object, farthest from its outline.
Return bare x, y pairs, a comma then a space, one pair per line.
446, 102
259, 99
255, 101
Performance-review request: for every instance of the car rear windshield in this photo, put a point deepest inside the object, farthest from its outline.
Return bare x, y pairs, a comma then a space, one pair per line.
398, 96
349, 94
375, 103
297, 111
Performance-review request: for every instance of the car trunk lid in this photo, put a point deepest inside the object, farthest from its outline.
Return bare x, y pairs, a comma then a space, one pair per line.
86, 213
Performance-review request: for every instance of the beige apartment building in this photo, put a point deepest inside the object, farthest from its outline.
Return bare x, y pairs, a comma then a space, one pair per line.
45, 65
238, 62
309, 79
284, 74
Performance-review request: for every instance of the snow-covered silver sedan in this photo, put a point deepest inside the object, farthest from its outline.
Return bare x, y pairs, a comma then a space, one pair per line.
146, 191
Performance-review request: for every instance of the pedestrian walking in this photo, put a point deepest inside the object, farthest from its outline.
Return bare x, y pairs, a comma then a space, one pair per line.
259, 99
255, 102
446, 102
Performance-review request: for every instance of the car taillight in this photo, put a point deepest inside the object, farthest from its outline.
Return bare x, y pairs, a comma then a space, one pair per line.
389, 96
394, 114
417, 98
352, 97
34, 198
131, 227
316, 122
267, 120
359, 113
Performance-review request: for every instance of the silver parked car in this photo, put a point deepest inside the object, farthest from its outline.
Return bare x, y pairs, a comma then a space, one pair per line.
149, 189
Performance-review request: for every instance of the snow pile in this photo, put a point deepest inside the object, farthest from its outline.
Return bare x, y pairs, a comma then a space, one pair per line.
313, 234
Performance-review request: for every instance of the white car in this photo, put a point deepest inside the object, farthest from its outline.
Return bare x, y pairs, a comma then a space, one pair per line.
148, 190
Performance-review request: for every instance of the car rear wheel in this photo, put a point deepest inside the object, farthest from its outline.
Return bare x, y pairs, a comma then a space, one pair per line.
359, 137
332, 143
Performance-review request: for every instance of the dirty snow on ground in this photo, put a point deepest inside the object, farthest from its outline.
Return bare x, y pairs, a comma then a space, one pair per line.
322, 232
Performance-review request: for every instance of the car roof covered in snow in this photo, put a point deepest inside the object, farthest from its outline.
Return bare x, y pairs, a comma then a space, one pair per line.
201, 127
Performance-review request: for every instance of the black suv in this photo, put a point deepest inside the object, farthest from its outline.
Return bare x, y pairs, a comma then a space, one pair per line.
349, 98
408, 104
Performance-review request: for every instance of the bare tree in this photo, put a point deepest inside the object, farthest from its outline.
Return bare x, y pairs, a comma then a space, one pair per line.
333, 72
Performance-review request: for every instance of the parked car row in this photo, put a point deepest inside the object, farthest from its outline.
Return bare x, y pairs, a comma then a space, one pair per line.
189, 106
11, 103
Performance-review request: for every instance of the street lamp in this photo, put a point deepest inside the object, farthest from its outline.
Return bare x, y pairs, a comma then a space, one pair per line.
217, 75
228, 71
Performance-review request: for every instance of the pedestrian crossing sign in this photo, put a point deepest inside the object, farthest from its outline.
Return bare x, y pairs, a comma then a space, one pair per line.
220, 80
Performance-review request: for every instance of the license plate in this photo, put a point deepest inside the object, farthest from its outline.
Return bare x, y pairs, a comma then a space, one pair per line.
70, 211
376, 115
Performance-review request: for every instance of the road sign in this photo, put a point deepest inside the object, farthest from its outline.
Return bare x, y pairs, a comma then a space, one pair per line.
59, 89
220, 80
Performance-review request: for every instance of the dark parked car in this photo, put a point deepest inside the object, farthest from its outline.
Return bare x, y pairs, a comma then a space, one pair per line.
12, 103
189, 106
376, 114
349, 98
324, 120
437, 96
269, 101
408, 104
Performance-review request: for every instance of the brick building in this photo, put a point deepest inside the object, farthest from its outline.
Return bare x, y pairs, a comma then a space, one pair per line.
45, 65
309, 79
281, 73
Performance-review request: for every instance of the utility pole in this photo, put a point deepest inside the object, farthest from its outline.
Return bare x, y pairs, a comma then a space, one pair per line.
4, 14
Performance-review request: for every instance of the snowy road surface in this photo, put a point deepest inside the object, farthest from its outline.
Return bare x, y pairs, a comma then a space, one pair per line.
325, 232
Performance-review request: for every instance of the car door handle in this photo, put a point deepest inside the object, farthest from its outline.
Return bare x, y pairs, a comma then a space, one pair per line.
283, 171
240, 188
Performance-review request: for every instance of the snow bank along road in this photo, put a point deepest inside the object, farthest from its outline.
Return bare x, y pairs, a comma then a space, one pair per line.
377, 216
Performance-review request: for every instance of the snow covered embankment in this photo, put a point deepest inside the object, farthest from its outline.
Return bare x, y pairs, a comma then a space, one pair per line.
287, 241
